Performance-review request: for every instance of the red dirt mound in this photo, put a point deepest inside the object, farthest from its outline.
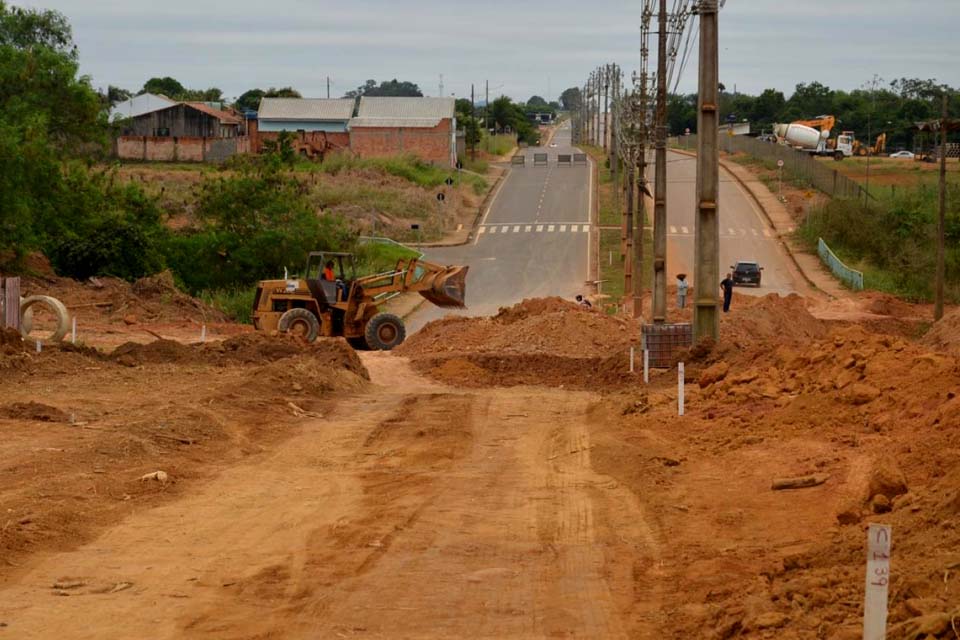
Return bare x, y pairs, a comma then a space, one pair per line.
945, 333
772, 318
546, 326
33, 411
332, 353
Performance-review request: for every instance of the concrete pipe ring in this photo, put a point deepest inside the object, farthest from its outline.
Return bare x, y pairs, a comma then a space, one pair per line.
63, 316
26, 319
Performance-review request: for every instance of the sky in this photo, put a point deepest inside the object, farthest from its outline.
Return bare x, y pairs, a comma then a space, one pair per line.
520, 48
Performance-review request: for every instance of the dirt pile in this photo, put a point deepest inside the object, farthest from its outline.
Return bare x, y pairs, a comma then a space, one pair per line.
254, 348
538, 341
33, 411
945, 333
150, 299
772, 319
877, 414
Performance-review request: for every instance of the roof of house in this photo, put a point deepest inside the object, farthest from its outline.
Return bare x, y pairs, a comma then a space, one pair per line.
223, 116
402, 112
139, 105
305, 109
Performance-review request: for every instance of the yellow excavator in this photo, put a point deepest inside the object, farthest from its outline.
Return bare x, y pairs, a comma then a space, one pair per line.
879, 146
330, 300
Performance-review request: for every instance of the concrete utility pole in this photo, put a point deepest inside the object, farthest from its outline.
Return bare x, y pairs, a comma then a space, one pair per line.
941, 223
614, 146
473, 115
660, 187
328, 87
606, 105
599, 92
706, 315
486, 109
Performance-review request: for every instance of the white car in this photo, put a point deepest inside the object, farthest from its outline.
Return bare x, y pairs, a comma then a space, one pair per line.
553, 145
902, 154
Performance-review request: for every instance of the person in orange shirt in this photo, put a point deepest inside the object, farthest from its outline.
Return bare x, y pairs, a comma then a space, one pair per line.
328, 272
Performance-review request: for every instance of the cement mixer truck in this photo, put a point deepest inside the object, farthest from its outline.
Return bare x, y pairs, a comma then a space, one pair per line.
813, 136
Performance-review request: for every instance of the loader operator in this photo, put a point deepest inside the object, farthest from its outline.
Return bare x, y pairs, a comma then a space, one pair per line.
329, 276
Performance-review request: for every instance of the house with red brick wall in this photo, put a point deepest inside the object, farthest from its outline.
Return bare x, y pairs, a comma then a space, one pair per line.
423, 127
316, 126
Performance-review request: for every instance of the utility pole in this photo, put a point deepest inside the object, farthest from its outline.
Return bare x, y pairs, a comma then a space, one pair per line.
486, 109
606, 105
706, 316
941, 224
660, 187
615, 133
473, 114
328, 87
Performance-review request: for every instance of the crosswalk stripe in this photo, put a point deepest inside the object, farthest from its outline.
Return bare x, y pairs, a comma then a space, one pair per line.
684, 229
504, 229
493, 229
549, 227
743, 232
563, 228
528, 228
673, 229
754, 231
573, 228
585, 228
731, 231
481, 230
516, 229
539, 228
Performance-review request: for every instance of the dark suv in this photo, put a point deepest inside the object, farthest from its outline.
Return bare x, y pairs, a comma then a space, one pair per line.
747, 273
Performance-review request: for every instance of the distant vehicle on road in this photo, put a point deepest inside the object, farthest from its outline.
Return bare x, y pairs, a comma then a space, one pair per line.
903, 154
553, 145
747, 272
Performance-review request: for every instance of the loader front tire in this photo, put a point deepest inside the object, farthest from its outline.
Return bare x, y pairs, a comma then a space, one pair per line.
301, 323
384, 331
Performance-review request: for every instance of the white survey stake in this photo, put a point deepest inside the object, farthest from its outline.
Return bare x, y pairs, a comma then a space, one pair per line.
878, 581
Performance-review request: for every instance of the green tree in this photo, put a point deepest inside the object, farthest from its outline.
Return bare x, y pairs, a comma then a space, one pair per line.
570, 99
165, 86
250, 100
536, 101
392, 88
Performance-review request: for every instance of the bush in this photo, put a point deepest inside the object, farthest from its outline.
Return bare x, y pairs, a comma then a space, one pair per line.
236, 303
253, 225
892, 241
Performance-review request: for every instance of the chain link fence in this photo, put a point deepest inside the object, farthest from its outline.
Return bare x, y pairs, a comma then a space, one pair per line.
799, 165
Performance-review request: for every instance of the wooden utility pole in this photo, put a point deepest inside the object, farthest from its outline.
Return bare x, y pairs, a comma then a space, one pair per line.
706, 314
941, 217
660, 187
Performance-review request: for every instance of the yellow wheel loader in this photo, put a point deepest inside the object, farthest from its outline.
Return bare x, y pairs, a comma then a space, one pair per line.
330, 300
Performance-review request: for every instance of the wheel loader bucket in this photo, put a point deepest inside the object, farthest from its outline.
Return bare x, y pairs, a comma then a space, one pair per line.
449, 288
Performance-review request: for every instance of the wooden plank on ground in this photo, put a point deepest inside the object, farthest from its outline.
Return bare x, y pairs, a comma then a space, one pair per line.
11, 304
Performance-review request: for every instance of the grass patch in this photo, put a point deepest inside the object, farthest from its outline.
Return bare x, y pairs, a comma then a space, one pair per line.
409, 168
497, 145
378, 257
476, 165
892, 242
235, 302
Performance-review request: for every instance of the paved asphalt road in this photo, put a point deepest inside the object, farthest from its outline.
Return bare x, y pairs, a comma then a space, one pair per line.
744, 232
533, 241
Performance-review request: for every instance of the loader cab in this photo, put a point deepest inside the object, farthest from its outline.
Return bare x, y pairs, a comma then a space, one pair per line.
326, 291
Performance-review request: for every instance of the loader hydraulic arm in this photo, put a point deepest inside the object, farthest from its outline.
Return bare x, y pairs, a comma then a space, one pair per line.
444, 286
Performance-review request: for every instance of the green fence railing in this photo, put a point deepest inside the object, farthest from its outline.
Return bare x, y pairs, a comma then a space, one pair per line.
852, 277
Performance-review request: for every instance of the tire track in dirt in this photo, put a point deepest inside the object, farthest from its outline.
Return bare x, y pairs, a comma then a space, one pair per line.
411, 511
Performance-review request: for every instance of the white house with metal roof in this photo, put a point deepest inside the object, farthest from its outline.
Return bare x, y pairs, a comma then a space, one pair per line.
304, 114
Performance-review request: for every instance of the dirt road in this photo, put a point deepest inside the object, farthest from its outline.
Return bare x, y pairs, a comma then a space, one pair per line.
415, 511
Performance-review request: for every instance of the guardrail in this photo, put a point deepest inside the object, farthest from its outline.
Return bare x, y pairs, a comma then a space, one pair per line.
852, 277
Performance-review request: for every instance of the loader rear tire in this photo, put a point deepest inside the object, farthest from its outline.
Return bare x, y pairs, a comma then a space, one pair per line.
301, 323
384, 331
